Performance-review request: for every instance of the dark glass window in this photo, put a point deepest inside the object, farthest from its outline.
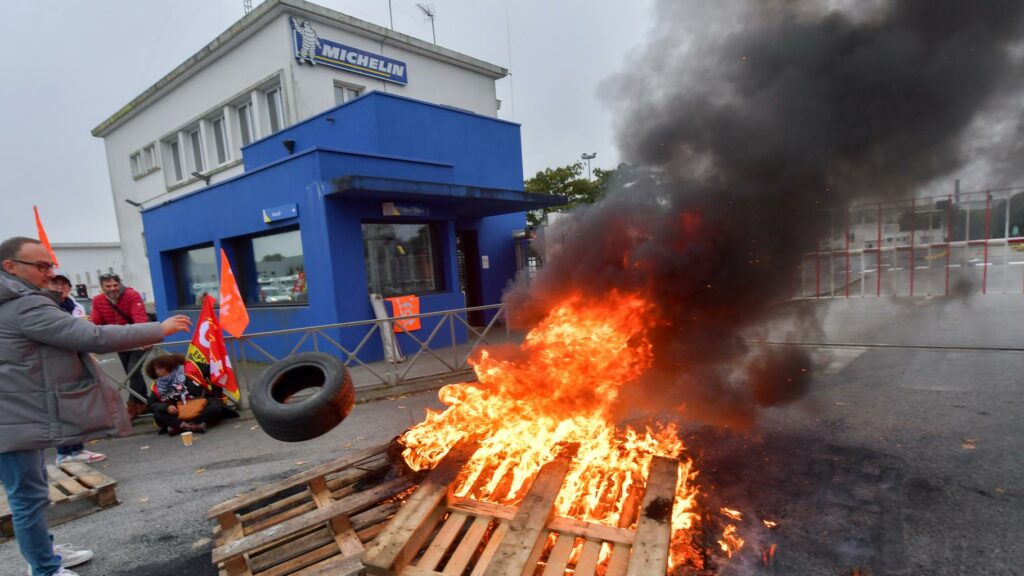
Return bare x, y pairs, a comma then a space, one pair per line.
195, 274
278, 268
401, 259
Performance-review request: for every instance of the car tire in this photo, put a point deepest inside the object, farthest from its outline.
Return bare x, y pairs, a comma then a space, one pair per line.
282, 417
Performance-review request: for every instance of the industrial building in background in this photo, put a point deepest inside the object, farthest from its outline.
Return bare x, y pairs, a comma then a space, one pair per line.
331, 159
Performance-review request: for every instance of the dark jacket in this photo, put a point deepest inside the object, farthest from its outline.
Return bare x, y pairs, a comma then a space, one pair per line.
52, 392
130, 304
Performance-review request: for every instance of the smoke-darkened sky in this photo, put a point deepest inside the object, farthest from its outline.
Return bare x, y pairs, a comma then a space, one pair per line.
749, 119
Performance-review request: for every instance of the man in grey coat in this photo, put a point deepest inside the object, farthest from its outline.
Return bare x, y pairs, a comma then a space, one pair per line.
52, 392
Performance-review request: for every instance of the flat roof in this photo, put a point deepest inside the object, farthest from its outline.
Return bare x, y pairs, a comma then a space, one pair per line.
263, 15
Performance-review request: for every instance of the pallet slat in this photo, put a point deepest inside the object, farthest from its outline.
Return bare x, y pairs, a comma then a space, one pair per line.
523, 542
654, 529
392, 549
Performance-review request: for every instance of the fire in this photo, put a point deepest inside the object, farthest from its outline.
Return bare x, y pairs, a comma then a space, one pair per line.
558, 389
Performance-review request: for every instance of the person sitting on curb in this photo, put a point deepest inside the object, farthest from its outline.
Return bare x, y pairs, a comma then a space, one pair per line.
173, 386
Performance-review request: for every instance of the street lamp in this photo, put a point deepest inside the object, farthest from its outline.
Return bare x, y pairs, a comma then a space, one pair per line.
588, 158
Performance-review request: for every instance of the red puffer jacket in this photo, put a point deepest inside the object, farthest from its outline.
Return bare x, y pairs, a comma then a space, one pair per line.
130, 303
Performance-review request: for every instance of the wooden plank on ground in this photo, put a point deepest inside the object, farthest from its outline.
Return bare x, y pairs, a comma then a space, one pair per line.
391, 550
464, 551
559, 556
344, 536
591, 530
586, 565
69, 484
346, 506
492, 546
87, 475
299, 479
518, 551
619, 560
442, 541
654, 529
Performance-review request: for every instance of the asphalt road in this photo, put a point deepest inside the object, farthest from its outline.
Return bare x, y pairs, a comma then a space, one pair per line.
900, 460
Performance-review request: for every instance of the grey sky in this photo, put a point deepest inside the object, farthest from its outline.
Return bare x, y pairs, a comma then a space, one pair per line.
69, 65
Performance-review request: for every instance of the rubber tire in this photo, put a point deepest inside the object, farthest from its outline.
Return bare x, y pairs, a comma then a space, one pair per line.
309, 418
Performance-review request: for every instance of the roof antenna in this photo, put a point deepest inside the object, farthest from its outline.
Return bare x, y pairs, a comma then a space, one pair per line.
428, 11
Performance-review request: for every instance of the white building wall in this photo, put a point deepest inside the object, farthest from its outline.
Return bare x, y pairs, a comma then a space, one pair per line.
241, 68
83, 262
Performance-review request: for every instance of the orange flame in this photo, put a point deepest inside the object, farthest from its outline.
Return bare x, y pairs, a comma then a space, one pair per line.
558, 388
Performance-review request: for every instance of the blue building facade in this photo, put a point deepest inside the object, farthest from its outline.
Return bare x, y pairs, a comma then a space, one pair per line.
382, 194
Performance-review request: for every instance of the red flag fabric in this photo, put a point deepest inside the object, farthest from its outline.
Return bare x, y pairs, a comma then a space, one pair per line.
208, 353
233, 316
43, 238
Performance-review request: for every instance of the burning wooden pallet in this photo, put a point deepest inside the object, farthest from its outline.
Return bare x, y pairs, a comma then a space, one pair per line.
319, 521
436, 533
76, 490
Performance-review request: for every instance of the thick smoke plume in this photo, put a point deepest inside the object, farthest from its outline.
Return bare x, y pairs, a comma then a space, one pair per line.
746, 122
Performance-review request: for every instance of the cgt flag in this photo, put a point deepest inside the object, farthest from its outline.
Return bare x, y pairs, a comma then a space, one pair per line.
233, 316
208, 353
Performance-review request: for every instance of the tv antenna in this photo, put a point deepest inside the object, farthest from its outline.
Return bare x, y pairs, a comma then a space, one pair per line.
428, 11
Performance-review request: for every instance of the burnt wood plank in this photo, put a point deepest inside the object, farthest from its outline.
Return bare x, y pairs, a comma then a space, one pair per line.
654, 529
520, 549
393, 548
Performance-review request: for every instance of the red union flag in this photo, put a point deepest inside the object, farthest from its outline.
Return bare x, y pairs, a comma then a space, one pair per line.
208, 353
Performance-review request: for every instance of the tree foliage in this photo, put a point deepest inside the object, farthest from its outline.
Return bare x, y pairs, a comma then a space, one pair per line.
570, 182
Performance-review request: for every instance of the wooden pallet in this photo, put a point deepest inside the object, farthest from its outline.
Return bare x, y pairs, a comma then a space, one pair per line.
437, 534
315, 522
76, 490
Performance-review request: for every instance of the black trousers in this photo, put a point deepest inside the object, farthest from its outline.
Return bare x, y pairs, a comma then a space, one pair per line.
137, 383
213, 413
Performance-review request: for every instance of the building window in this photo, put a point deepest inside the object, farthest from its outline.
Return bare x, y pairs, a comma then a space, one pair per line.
272, 269
148, 158
175, 154
401, 259
275, 110
136, 165
195, 274
195, 140
344, 93
220, 139
245, 123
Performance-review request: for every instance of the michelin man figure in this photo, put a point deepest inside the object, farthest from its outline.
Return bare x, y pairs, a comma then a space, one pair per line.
310, 42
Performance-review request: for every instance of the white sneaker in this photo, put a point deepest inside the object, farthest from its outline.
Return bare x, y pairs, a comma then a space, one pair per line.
85, 457
71, 556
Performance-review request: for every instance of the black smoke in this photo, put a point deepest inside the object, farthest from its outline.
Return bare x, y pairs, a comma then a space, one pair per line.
746, 122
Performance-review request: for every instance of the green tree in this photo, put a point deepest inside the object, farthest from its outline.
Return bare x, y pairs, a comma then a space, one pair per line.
567, 181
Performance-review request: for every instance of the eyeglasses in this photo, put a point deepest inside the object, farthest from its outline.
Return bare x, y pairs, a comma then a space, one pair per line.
105, 277
43, 267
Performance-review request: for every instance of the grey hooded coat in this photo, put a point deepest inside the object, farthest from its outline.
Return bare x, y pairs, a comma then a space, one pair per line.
52, 392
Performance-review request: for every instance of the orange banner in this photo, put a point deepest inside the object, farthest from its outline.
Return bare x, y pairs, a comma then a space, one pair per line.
233, 316
402, 306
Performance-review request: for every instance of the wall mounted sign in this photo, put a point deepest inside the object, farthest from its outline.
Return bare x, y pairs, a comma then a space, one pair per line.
395, 209
282, 212
311, 49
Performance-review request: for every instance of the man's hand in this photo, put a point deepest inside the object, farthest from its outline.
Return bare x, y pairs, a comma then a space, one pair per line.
172, 410
175, 324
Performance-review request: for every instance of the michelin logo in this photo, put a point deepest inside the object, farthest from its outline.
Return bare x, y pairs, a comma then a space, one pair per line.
306, 51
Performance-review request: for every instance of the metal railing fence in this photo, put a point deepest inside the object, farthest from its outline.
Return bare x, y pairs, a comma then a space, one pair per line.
251, 353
